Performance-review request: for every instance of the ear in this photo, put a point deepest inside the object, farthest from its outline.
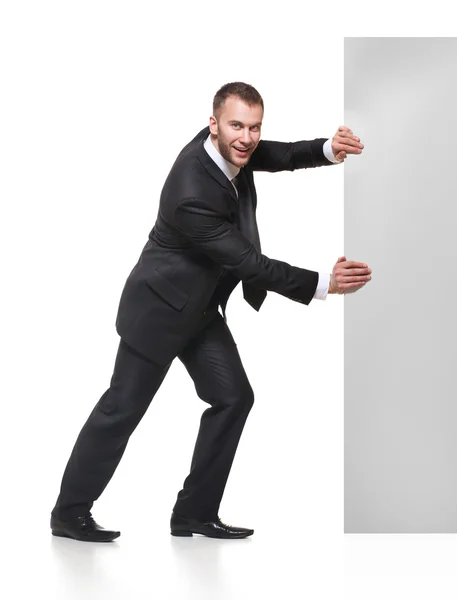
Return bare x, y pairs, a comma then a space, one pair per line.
213, 125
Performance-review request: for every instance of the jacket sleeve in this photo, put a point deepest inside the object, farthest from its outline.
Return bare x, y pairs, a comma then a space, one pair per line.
209, 230
288, 156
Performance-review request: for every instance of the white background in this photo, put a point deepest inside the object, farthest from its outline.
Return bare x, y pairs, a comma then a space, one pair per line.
97, 100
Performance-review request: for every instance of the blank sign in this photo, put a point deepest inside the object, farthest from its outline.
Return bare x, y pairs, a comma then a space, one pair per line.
400, 346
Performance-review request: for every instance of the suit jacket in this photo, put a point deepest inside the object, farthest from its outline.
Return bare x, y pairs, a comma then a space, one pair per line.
196, 237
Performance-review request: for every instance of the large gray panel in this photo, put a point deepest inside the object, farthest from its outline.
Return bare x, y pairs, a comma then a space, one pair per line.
401, 330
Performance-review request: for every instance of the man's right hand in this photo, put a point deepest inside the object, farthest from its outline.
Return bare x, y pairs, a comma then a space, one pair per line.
348, 276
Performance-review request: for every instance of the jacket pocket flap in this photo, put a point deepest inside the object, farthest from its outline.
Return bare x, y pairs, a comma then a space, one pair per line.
167, 290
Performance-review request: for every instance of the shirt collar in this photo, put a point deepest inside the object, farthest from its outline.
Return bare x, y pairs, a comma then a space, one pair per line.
230, 170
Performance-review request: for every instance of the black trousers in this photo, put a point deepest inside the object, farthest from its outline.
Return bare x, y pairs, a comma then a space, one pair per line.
213, 362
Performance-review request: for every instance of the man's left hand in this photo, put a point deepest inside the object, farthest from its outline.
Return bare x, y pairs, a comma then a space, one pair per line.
344, 142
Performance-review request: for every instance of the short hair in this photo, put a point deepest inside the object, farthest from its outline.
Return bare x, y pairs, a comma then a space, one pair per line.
244, 91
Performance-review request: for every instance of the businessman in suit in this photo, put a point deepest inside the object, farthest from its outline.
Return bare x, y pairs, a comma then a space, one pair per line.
204, 242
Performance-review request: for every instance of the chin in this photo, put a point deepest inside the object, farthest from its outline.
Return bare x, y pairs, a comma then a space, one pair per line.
240, 162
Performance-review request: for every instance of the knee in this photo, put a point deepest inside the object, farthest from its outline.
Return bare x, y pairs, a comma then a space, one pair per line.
242, 400
249, 398
238, 399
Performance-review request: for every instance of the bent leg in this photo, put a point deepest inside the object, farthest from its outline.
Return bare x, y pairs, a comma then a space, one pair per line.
214, 364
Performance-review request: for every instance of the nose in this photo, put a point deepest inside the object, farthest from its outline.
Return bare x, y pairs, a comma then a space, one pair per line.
246, 137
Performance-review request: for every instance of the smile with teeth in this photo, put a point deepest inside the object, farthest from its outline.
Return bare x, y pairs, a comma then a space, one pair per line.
244, 150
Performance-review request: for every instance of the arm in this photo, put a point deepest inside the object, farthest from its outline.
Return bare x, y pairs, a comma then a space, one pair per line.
288, 156
283, 156
208, 229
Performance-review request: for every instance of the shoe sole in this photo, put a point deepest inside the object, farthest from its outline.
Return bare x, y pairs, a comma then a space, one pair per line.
188, 533
82, 539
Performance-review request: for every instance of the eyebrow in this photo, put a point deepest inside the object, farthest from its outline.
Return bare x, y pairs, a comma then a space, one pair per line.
240, 123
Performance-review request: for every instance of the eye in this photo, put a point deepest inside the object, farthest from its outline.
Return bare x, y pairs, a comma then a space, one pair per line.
236, 125
255, 128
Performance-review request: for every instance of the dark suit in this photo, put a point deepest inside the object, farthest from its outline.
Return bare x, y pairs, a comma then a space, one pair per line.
205, 240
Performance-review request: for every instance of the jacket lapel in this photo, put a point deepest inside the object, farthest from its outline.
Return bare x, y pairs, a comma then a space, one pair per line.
211, 166
246, 219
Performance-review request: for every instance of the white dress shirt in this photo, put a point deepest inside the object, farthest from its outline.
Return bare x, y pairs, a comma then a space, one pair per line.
231, 171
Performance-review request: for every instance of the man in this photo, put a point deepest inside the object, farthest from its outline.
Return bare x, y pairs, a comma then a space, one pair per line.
204, 242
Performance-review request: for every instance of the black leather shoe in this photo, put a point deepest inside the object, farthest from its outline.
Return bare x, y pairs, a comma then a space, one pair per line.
216, 529
83, 529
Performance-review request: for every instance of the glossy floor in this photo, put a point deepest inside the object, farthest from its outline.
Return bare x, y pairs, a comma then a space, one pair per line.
146, 562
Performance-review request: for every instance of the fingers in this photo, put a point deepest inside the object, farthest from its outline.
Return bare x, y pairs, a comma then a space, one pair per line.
345, 140
345, 131
356, 278
349, 276
352, 264
347, 145
353, 274
351, 267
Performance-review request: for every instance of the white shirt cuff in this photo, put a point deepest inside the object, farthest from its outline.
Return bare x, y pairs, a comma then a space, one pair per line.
322, 286
327, 149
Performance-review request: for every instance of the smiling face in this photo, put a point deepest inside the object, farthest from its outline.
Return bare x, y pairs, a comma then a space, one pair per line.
235, 130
